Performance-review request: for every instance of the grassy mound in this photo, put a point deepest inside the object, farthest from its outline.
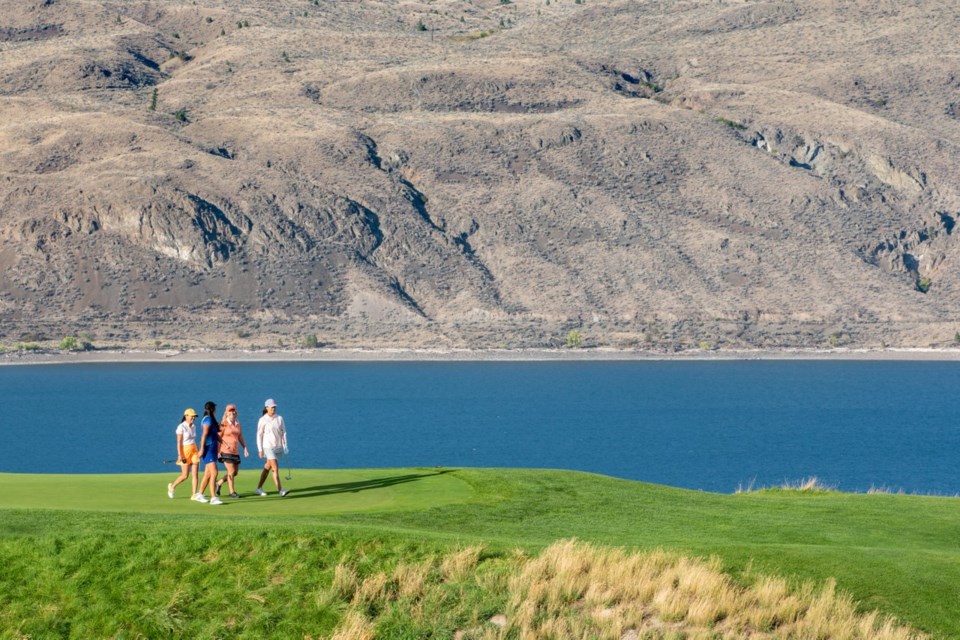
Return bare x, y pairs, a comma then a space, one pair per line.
415, 553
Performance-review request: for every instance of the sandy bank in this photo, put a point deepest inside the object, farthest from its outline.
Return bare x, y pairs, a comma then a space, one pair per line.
462, 355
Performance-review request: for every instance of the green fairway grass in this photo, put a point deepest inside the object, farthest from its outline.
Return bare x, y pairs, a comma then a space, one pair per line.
897, 554
313, 492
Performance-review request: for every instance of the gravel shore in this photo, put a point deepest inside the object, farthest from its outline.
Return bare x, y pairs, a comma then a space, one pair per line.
461, 355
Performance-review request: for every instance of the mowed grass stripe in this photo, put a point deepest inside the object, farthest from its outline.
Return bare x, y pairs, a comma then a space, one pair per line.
312, 492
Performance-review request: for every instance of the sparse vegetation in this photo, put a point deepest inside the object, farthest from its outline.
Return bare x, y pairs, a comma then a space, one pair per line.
286, 58
475, 35
733, 124
420, 25
153, 100
69, 343
180, 115
923, 285
28, 346
574, 339
310, 341
209, 19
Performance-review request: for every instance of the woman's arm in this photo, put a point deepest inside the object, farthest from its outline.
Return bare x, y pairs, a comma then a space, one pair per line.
203, 439
180, 456
240, 440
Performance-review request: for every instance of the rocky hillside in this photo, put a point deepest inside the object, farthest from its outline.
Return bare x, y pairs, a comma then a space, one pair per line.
483, 173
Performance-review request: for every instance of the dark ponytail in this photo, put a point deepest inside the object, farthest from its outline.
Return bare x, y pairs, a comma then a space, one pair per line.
209, 409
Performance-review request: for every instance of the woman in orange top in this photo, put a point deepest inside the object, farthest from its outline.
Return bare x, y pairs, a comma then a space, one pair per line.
230, 437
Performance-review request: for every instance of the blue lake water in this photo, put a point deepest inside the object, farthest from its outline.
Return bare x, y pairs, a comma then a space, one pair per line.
700, 425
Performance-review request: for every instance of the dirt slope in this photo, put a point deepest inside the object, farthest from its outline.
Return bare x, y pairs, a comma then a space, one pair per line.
472, 173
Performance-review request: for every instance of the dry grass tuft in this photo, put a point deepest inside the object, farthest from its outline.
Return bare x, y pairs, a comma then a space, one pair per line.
807, 484
456, 565
354, 627
811, 484
344, 581
372, 590
411, 578
576, 590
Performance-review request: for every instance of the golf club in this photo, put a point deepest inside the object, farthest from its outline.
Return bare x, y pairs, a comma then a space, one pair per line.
286, 463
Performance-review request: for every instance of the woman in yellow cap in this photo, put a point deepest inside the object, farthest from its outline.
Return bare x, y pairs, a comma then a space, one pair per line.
187, 455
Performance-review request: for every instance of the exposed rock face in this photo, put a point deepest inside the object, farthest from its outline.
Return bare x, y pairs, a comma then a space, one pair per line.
740, 173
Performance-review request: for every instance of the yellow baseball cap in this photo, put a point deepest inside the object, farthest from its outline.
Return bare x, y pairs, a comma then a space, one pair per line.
190, 412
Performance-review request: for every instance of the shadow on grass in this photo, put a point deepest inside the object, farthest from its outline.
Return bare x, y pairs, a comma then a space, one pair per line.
360, 485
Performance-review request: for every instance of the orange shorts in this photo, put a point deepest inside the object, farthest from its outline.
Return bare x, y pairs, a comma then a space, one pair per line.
190, 454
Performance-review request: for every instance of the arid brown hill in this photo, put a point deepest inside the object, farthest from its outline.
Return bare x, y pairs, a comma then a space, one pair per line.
481, 173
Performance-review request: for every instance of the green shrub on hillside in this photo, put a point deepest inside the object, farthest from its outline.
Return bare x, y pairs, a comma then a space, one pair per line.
733, 124
72, 343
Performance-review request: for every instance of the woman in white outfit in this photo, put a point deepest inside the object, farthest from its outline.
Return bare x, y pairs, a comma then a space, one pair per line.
187, 455
271, 444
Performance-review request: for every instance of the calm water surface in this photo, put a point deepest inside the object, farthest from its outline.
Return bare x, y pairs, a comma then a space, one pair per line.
700, 425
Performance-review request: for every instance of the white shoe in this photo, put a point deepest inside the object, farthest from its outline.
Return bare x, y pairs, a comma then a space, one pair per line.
170, 491
283, 492
216, 500
261, 492
198, 497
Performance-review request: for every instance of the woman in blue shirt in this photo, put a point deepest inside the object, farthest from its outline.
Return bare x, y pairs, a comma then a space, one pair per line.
209, 450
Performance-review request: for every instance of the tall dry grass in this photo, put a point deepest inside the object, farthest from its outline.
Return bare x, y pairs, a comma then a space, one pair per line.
812, 484
577, 590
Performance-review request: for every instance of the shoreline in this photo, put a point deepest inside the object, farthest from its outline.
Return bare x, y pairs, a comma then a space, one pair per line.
115, 356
